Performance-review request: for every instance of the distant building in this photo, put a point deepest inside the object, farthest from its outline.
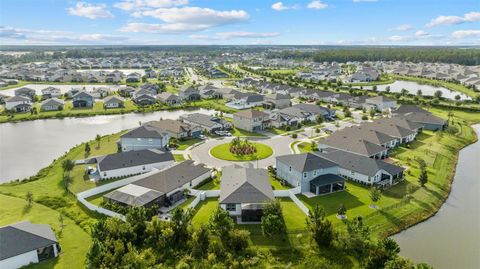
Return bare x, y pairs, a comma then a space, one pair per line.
251, 120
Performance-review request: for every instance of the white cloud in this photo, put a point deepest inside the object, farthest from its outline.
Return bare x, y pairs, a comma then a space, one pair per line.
186, 19
230, 35
420, 33
130, 5
399, 38
466, 33
317, 5
38, 37
279, 6
91, 11
450, 20
403, 27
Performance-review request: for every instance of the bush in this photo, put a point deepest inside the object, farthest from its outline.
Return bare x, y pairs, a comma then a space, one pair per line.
294, 136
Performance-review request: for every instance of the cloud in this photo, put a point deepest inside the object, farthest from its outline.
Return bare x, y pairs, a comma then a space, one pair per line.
186, 19
451, 20
403, 27
465, 34
33, 36
131, 5
235, 35
317, 5
91, 11
420, 33
279, 6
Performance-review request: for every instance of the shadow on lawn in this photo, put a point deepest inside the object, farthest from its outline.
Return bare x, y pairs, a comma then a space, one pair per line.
331, 202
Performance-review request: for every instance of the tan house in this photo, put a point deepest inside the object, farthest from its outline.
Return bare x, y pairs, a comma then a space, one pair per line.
251, 120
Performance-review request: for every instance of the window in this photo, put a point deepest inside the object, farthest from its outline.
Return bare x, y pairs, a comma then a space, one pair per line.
304, 174
290, 169
143, 167
104, 174
231, 207
315, 172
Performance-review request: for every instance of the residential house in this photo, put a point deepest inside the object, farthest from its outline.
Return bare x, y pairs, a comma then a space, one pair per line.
83, 99
131, 163
143, 137
113, 101
243, 100
277, 100
169, 99
251, 120
244, 191
18, 103
310, 172
161, 188
176, 128
133, 77
189, 94
144, 97
380, 103
25, 92
206, 122
53, 104
24, 243
423, 117
51, 92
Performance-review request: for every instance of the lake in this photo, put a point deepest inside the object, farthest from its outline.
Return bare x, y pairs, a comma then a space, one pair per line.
28, 146
451, 238
413, 87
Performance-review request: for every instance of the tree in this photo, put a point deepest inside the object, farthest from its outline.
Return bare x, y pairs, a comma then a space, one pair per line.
399, 263
375, 195
98, 138
403, 92
67, 166
342, 210
457, 97
372, 112
320, 119
423, 178
272, 219
419, 93
29, 199
220, 223
87, 149
237, 241
437, 94
358, 237
347, 112
320, 227
200, 241
386, 250
374, 88
387, 89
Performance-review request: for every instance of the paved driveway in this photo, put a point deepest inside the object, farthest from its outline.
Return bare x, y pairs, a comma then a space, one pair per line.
279, 144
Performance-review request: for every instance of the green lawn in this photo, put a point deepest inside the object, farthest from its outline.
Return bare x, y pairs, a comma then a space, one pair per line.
74, 241
305, 147
187, 202
184, 144
222, 152
242, 133
178, 157
277, 185
97, 199
203, 211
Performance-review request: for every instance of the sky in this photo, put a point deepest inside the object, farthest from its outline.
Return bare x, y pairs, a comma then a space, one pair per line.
240, 22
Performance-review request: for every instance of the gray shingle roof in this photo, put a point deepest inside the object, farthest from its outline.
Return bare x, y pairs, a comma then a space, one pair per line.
173, 177
53, 102
251, 113
202, 119
305, 162
126, 197
360, 164
144, 131
113, 99
245, 185
19, 238
132, 158
351, 143
326, 179
17, 98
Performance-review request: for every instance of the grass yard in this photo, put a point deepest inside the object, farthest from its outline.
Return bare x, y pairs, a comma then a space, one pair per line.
203, 211
74, 241
305, 147
277, 185
179, 157
184, 144
222, 152
242, 133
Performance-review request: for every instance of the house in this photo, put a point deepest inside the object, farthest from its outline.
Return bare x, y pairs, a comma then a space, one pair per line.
313, 111
100, 92
51, 92
143, 137
277, 100
176, 128
144, 98
189, 94
244, 191
380, 103
206, 122
243, 100
24, 243
25, 92
150, 73
350, 143
131, 163
209, 92
113, 101
423, 117
169, 99
83, 99
251, 120
18, 104
133, 77
310, 172
364, 170
161, 188
53, 104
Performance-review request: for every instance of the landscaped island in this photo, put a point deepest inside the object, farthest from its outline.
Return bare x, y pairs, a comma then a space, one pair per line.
241, 150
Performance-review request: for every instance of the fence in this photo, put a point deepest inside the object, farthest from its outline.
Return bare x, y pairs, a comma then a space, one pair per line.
201, 195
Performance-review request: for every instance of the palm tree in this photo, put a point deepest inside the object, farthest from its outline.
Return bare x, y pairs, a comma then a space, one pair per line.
29, 198
419, 92
98, 138
375, 196
67, 166
404, 92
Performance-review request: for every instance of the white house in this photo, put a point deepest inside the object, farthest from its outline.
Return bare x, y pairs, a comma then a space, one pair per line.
131, 163
18, 103
24, 243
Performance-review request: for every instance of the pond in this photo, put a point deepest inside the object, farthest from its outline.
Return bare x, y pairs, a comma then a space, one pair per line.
451, 238
413, 87
28, 146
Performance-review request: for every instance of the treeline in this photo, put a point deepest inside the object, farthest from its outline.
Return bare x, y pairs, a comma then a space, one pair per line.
464, 56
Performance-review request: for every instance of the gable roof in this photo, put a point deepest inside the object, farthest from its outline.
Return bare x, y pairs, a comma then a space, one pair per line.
245, 185
143, 131
133, 195
53, 102
250, 113
17, 98
352, 144
305, 162
170, 125
22, 237
132, 158
113, 99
